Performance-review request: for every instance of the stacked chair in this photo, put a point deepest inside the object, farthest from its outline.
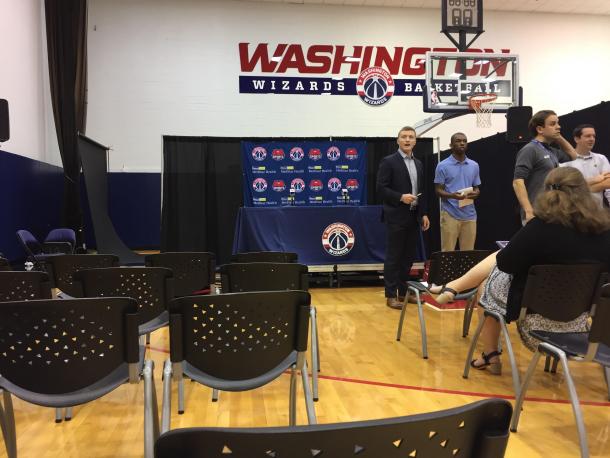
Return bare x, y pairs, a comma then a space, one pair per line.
63, 268
58, 242
193, 272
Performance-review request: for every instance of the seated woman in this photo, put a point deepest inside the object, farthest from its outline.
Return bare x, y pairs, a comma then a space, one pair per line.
568, 227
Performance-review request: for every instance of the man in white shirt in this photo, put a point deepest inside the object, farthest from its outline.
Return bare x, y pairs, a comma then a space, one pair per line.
594, 167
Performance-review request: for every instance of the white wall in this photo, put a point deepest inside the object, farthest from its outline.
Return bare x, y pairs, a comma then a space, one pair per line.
21, 79
171, 67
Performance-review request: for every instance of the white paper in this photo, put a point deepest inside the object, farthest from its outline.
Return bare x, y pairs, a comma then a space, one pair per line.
464, 202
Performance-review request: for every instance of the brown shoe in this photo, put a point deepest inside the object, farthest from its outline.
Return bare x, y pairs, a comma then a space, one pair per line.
393, 303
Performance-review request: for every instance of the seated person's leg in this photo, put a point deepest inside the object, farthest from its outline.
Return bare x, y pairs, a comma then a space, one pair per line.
471, 279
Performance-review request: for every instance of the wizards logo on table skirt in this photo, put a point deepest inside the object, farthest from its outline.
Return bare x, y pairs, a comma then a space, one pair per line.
259, 185
315, 154
278, 185
351, 184
297, 154
259, 153
316, 185
351, 154
338, 239
277, 154
334, 184
297, 184
333, 153
375, 86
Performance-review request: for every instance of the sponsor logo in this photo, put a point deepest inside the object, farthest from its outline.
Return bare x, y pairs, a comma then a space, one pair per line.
351, 154
297, 184
277, 154
338, 239
297, 154
316, 185
278, 185
333, 153
259, 185
259, 153
351, 184
334, 184
375, 86
315, 154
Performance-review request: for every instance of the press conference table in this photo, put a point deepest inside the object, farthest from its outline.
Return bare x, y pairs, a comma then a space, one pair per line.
300, 230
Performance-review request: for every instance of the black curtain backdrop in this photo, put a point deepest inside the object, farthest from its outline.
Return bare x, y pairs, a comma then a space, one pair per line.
66, 23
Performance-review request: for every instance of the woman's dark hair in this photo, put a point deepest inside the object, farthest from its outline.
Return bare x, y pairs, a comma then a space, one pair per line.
567, 200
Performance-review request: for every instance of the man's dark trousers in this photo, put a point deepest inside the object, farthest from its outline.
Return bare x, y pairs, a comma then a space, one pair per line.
401, 246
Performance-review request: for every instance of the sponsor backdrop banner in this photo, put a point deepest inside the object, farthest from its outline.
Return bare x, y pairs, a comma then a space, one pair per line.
319, 173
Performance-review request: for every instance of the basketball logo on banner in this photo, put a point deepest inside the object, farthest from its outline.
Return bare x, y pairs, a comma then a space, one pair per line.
351, 184
375, 86
351, 154
259, 185
338, 239
297, 184
259, 153
297, 154
277, 154
315, 154
334, 184
278, 185
333, 153
316, 185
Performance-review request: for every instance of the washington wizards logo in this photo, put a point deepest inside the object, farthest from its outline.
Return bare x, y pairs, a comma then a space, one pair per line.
351, 154
316, 185
351, 184
297, 184
333, 153
334, 184
277, 154
338, 239
375, 86
259, 185
297, 154
278, 185
315, 154
259, 153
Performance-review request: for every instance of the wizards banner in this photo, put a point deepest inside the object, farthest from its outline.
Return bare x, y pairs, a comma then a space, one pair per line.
314, 172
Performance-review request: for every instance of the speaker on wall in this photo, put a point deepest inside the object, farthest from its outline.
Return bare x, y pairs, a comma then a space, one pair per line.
4, 131
517, 120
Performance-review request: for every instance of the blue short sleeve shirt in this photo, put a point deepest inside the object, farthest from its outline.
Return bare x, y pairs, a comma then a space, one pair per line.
456, 175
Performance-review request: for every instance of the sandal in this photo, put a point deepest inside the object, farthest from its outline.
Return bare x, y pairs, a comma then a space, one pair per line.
446, 295
494, 367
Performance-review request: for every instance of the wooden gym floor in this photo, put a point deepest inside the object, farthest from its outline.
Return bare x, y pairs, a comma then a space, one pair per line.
365, 374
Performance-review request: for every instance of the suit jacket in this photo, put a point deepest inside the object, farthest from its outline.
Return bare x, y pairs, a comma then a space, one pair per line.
392, 182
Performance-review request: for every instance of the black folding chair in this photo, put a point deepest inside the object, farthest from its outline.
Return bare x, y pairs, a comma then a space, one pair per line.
444, 267
63, 268
194, 272
273, 276
573, 346
36, 252
477, 430
265, 256
61, 353
238, 342
60, 240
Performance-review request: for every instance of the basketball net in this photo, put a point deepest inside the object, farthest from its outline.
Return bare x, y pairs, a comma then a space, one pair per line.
483, 106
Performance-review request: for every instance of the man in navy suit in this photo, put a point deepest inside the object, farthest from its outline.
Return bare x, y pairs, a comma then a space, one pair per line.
400, 183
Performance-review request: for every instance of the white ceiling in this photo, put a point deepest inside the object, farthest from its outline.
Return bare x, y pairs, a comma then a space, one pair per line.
544, 6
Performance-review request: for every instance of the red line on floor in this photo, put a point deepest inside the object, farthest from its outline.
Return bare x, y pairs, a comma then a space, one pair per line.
440, 390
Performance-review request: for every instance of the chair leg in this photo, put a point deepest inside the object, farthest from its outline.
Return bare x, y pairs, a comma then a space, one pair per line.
311, 412
473, 346
59, 415
468, 316
401, 320
580, 424
607, 377
181, 397
11, 434
521, 396
148, 338
511, 356
554, 368
166, 407
292, 410
314, 353
215, 394
151, 413
547, 363
422, 326
68, 414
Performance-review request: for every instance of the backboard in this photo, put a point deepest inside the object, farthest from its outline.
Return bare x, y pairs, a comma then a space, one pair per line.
452, 78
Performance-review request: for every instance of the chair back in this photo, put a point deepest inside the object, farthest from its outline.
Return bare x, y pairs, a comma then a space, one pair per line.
30, 244
265, 256
477, 430
263, 276
4, 265
238, 336
24, 286
61, 346
561, 292
61, 240
64, 267
446, 266
151, 287
193, 271
601, 319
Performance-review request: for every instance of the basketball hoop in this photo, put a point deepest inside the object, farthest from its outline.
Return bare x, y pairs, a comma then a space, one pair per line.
483, 106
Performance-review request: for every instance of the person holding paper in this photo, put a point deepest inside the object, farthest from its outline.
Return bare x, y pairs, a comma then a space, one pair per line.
457, 183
